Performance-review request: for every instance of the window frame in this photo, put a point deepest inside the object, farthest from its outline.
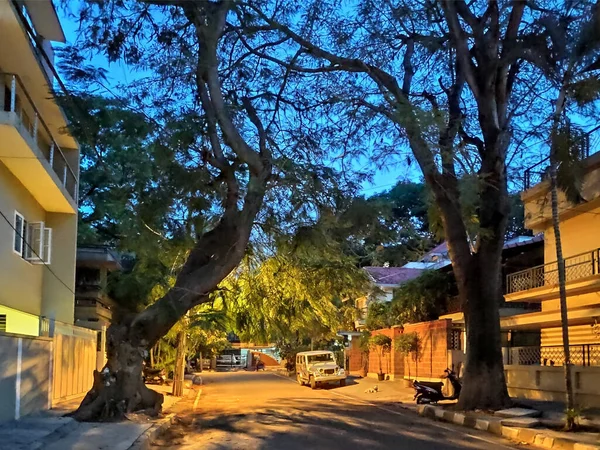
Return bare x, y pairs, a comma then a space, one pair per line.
27, 231
21, 233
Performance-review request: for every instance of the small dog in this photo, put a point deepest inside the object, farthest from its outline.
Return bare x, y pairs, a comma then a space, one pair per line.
372, 390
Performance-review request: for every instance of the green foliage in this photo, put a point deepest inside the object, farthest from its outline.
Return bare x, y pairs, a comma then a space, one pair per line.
303, 289
408, 343
421, 299
389, 227
382, 344
572, 418
516, 219
569, 150
381, 340
365, 341
205, 332
378, 316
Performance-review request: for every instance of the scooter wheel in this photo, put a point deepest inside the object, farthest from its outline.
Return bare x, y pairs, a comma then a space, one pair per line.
422, 400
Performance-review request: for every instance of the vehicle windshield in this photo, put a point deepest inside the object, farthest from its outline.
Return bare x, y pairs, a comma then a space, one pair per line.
323, 357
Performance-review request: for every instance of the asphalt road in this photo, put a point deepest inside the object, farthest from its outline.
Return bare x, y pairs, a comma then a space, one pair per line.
248, 410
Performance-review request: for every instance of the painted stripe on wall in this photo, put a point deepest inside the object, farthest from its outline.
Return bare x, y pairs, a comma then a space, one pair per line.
50, 373
18, 379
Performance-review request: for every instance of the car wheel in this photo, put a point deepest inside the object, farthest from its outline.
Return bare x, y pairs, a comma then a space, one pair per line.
313, 383
299, 379
342, 383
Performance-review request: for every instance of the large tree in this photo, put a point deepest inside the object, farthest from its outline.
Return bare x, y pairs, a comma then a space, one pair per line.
221, 116
444, 79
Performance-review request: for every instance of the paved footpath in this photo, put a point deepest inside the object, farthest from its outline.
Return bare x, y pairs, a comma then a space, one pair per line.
51, 431
249, 410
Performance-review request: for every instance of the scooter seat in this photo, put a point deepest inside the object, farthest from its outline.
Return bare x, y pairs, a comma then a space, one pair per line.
432, 384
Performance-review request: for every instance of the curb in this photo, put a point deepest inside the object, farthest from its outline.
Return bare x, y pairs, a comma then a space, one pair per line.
522, 435
144, 440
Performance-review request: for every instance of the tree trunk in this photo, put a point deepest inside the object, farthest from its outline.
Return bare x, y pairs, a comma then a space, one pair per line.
152, 356
570, 422
564, 320
119, 388
478, 277
484, 385
179, 372
199, 368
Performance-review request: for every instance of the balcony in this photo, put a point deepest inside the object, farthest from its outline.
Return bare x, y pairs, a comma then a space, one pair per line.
31, 153
538, 283
92, 310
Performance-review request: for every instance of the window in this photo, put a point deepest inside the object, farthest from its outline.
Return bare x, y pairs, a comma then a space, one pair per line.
18, 234
32, 240
3, 323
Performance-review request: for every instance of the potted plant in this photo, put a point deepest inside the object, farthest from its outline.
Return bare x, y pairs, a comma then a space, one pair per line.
382, 344
406, 344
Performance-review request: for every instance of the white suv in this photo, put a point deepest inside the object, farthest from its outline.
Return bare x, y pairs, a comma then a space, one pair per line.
317, 367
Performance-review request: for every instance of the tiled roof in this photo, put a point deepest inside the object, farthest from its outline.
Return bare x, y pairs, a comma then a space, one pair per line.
392, 275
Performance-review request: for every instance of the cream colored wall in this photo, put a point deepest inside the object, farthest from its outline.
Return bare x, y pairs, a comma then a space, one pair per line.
58, 301
20, 281
578, 335
538, 213
548, 383
579, 234
573, 301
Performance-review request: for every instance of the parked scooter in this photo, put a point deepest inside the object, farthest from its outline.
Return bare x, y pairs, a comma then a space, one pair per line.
433, 392
154, 376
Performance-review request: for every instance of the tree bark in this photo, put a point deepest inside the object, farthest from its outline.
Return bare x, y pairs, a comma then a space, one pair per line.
484, 385
179, 372
564, 319
570, 422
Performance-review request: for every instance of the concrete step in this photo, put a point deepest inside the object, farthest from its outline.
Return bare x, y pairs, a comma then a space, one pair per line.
518, 412
521, 422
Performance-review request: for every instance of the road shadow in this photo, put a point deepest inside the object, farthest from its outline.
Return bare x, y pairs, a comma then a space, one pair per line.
305, 422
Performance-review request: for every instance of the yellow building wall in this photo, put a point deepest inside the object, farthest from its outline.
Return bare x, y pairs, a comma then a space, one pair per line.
58, 300
573, 301
20, 281
19, 322
579, 234
538, 212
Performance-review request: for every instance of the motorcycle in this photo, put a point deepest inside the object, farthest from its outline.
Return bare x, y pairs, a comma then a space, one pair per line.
154, 376
433, 392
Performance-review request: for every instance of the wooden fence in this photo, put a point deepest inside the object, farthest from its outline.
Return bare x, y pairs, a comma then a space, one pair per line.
73, 366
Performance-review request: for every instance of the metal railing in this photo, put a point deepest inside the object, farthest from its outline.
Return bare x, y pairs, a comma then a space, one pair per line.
576, 267
18, 101
581, 355
584, 144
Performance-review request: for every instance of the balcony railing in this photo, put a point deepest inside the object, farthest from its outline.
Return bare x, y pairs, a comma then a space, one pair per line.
576, 267
18, 101
581, 355
584, 144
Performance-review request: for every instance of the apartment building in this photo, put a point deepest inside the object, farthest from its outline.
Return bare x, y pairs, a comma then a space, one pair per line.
579, 226
535, 371
39, 169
